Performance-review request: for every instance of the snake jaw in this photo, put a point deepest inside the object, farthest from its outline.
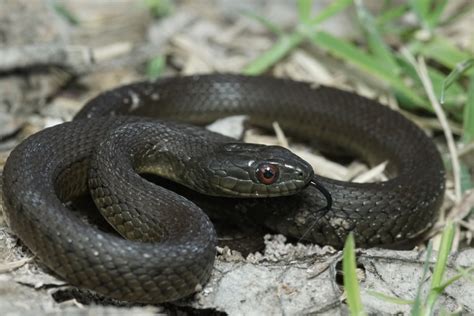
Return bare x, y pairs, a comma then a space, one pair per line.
228, 187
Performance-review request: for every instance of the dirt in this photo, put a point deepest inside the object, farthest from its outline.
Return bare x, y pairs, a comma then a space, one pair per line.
110, 46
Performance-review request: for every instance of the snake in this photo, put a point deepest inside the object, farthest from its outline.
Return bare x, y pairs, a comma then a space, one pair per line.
165, 245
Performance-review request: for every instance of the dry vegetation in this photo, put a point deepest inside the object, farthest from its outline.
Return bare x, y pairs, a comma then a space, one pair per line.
54, 55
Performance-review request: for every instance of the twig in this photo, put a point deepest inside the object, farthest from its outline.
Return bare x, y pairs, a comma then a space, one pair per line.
280, 135
75, 57
467, 149
420, 67
10, 266
371, 174
464, 207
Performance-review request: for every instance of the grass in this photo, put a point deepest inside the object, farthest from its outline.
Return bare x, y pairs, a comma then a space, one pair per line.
469, 113
376, 58
159, 8
468, 116
443, 84
420, 305
65, 13
287, 42
156, 67
351, 284
428, 12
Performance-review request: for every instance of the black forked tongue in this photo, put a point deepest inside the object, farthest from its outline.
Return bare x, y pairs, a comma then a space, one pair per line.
313, 182
324, 192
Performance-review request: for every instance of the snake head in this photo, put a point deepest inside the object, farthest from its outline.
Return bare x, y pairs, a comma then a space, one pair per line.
251, 170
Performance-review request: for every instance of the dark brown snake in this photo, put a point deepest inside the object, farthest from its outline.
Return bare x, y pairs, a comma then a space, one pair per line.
105, 150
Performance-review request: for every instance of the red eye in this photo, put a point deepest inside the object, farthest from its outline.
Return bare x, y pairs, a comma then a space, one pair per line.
267, 173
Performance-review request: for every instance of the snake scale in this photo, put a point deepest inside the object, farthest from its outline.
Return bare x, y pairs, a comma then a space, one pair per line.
109, 143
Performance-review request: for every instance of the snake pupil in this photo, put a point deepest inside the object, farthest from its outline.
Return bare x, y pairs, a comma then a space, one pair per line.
267, 173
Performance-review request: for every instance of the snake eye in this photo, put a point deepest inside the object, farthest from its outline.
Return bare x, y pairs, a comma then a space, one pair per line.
267, 173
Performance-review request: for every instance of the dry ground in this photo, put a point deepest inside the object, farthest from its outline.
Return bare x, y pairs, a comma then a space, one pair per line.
49, 67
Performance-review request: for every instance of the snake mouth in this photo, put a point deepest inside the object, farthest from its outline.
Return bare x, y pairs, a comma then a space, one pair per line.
247, 189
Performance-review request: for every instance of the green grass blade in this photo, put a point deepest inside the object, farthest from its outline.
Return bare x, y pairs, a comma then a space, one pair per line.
304, 11
467, 273
159, 8
449, 82
421, 9
355, 56
466, 182
468, 128
440, 267
274, 28
455, 97
376, 43
287, 43
441, 50
351, 284
155, 67
443, 254
417, 307
279, 50
388, 15
428, 11
454, 76
334, 8
434, 16
61, 10
390, 299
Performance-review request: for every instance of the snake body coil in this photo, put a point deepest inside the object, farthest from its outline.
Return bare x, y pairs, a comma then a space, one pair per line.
57, 164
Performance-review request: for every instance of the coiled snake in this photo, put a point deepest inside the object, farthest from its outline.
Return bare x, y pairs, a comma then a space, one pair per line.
106, 151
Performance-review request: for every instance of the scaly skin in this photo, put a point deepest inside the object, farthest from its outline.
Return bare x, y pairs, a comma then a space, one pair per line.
52, 166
